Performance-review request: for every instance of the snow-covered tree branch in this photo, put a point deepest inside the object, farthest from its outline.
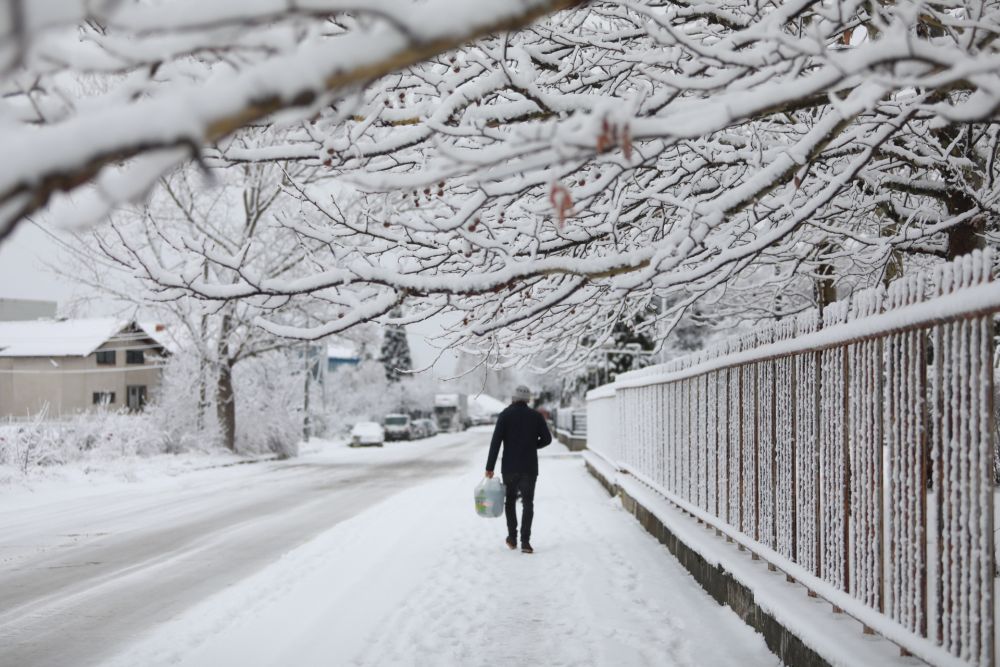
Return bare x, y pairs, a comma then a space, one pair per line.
90, 85
617, 162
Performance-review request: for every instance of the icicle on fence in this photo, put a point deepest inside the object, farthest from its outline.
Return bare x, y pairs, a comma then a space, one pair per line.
860, 449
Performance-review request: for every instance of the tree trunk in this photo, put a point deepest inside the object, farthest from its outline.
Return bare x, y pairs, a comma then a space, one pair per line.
966, 237
202, 396
204, 369
826, 289
306, 425
226, 405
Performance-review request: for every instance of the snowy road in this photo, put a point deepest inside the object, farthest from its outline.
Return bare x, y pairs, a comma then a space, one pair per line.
420, 580
85, 575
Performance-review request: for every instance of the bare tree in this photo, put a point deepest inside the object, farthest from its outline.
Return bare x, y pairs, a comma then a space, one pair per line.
184, 223
116, 93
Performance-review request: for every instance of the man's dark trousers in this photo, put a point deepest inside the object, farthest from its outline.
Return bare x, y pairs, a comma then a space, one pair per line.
525, 483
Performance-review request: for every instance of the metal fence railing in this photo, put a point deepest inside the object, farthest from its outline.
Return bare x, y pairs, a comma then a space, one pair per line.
854, 451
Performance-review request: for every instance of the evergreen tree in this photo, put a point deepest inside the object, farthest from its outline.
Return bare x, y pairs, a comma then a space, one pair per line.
395, 352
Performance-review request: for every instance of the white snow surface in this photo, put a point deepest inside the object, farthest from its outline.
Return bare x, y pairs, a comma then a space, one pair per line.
420, 579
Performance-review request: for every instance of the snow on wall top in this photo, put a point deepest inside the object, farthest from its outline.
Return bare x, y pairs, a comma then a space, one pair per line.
57, 338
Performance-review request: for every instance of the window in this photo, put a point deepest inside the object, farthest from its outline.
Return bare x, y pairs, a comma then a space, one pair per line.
104, 397
135, 398
134, 357
107, 357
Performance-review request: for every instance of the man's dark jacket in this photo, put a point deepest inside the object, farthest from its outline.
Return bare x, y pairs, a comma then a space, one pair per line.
523, 432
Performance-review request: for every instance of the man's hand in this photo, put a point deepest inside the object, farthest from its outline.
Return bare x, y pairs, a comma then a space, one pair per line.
489, 474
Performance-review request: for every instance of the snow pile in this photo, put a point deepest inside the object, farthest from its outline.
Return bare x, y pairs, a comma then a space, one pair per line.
483, 405
420, 580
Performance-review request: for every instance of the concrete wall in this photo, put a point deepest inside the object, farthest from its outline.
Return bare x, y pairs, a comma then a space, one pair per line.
66, 385
574, 443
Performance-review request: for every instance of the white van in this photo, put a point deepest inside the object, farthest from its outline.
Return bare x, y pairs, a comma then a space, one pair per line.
398, 427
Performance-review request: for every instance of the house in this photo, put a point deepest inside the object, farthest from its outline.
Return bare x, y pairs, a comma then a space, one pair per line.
72, 365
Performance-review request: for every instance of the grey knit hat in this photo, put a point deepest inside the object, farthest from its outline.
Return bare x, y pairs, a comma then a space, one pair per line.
522, 393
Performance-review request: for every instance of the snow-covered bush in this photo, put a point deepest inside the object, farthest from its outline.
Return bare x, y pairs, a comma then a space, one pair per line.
269, 404
94, 436
183, 408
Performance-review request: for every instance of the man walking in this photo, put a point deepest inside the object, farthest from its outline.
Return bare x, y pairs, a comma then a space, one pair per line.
523, 432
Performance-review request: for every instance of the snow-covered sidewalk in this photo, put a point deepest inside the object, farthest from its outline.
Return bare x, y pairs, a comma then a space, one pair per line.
420, 579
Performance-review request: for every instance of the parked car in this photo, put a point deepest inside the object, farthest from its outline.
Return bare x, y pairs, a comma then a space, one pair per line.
365, 434
398, 427
424, 428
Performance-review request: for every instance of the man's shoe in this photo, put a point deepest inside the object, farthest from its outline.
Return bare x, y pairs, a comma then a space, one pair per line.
511, 543
526, 548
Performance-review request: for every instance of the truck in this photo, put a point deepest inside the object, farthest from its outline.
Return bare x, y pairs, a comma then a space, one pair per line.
451, 411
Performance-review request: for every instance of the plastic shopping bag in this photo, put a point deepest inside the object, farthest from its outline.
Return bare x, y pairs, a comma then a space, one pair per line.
489, 498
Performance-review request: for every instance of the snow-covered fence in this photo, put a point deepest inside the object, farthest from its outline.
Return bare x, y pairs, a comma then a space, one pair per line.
854, 452
602, 423
572, 421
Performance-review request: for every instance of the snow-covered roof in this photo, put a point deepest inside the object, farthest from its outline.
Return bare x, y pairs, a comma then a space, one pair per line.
160, 335
58, 338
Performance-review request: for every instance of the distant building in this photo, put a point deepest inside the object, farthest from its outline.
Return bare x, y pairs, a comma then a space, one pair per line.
69, 366
26, 309
341, 354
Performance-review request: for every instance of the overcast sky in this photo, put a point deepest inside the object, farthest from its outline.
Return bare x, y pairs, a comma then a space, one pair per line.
22, 274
